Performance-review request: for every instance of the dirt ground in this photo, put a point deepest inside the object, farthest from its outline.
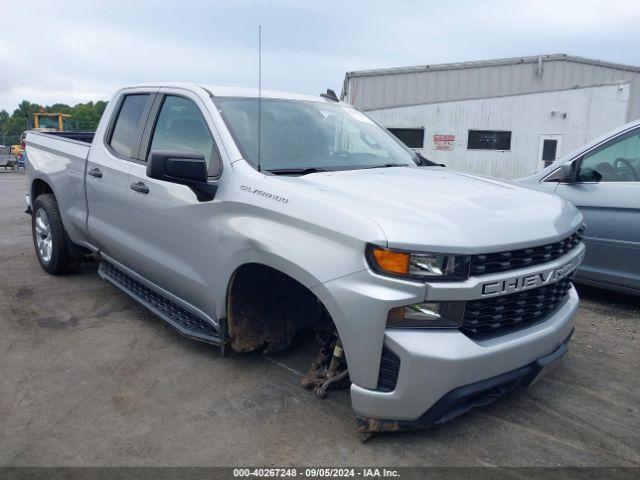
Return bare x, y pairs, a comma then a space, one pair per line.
88, 377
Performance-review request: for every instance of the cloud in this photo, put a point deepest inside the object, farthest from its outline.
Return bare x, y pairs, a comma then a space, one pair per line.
71, 50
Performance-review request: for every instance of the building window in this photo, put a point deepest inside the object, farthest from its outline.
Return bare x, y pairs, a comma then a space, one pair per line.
549, 148
489, 140
411, 137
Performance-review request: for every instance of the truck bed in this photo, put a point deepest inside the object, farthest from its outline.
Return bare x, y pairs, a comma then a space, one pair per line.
80, 136
61, 144
59, 160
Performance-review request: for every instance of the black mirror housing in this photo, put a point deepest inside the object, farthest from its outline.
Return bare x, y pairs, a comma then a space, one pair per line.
177, 167
185, 168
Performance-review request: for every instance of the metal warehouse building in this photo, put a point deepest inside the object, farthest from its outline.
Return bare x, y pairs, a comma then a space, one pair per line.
507, 118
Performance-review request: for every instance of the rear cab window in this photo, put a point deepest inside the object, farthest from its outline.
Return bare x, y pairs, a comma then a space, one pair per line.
125, 134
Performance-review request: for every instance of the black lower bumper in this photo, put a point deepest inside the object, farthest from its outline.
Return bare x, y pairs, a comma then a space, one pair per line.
462, 399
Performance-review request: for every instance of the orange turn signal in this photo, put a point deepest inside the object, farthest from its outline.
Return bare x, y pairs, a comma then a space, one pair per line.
391, 261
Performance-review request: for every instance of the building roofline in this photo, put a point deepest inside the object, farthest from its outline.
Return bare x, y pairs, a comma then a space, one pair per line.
482, 97
491, 63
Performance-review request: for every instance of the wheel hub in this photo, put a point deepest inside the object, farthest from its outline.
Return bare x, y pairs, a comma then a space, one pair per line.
43, 235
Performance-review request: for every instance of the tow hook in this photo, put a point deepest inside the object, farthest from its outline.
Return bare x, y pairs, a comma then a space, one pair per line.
329, 369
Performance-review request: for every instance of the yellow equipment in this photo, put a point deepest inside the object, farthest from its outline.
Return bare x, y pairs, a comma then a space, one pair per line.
40, 120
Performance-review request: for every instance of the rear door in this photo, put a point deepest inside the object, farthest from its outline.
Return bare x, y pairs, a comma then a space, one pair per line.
175, 239
607, 192
108, 166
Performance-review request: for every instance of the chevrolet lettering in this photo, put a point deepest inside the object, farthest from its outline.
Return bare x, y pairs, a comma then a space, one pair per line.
531, 280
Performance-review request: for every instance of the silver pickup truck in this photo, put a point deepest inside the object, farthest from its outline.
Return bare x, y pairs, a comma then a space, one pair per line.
245, 220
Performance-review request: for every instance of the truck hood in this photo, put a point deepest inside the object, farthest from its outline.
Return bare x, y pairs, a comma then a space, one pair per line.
445, 211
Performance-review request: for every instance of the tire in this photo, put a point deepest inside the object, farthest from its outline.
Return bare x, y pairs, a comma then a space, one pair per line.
56, 254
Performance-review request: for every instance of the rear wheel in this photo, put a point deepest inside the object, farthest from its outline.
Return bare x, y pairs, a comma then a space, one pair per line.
55, 251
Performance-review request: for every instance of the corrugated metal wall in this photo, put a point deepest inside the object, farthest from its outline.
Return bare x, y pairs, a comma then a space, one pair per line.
590, 112
393, 88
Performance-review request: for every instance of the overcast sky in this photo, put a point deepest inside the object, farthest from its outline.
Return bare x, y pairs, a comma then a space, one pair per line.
75, 51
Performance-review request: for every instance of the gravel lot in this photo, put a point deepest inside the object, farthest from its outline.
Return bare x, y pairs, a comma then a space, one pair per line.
87, 377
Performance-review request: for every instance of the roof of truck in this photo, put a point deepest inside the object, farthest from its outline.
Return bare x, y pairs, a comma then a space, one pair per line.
228, 91
221, 91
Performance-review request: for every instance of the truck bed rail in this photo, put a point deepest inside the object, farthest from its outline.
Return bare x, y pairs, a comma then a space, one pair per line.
86, 136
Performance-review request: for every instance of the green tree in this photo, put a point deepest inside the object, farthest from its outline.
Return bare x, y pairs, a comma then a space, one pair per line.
58, 108
84, 116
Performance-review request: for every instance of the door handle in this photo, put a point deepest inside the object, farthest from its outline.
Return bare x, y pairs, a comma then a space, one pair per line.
95, 172
139, 187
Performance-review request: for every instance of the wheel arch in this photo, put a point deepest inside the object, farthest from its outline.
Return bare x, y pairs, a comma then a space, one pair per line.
266, 306
40, 186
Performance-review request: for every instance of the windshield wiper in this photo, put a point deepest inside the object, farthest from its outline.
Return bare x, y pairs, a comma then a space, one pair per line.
425, 162
296, 171
385, 165
305, 171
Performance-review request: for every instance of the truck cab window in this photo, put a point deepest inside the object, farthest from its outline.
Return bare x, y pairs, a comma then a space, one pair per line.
125, 136
181, 127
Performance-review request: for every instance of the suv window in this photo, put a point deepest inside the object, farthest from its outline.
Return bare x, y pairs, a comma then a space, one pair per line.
125, 138
617, 161
181, 127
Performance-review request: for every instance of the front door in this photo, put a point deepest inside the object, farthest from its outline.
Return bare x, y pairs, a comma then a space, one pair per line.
607, 192
549, 150
174, 238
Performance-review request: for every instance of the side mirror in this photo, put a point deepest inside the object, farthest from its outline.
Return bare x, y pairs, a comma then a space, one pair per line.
185, 168
566, 173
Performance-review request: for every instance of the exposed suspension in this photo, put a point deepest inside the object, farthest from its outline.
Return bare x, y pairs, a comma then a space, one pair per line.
328, 370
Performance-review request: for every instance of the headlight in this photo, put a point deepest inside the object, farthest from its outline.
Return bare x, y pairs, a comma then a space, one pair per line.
418, 265
427, 315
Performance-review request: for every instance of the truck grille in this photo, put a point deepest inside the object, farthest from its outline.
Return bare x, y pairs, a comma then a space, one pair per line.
498, 315
525, 257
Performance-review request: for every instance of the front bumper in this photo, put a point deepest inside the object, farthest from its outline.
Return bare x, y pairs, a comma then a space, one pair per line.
435, 363
462, 399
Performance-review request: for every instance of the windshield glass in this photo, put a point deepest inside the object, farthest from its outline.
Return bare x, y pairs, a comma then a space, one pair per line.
306, 135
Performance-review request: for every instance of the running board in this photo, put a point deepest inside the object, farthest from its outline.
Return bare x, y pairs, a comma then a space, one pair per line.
179, 318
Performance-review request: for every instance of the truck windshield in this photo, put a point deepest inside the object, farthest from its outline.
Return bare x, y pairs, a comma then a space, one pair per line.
299, 137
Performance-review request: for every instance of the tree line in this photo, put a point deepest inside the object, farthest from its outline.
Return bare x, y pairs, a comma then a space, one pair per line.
84, 116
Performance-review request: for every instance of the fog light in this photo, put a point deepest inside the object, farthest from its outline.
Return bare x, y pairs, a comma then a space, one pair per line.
427, 315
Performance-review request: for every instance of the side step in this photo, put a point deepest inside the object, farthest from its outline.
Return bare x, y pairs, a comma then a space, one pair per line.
179, 318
